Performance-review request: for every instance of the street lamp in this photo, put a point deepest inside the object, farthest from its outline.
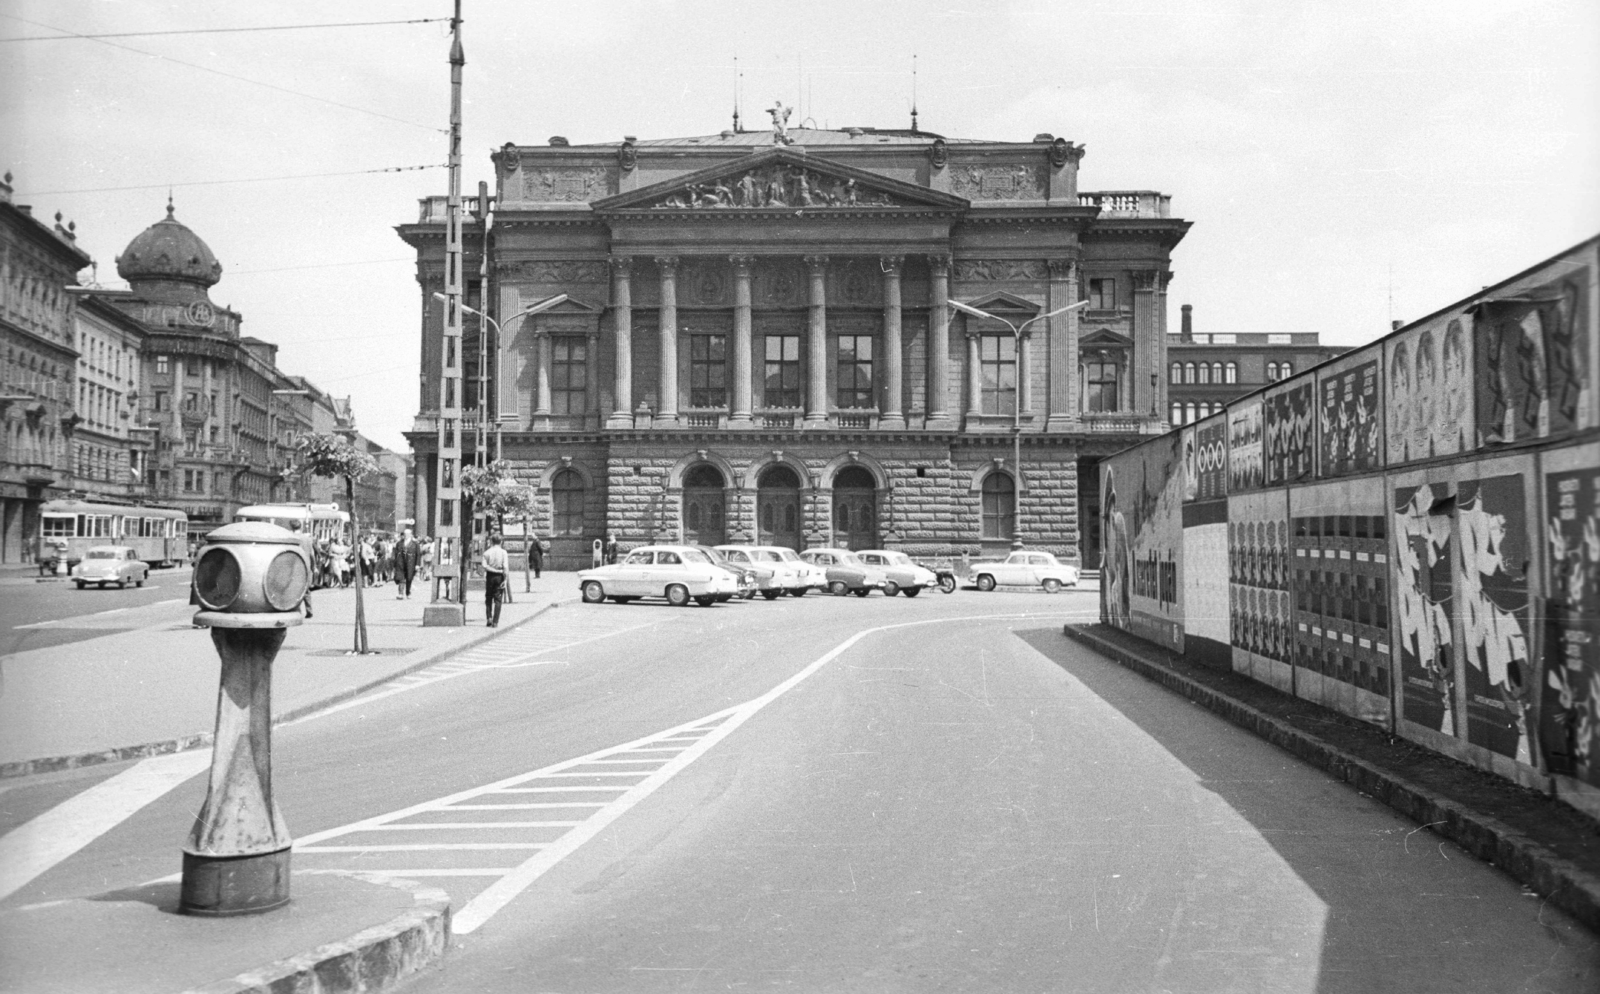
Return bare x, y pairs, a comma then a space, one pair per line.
483, 356
1016, 404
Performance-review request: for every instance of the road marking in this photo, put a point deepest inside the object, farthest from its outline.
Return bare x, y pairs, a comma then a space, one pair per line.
36, 846
663, 755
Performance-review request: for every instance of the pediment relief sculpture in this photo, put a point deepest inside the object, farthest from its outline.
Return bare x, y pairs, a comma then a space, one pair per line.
571, 184
1001, 269
1017, 182
780, 184
563, 271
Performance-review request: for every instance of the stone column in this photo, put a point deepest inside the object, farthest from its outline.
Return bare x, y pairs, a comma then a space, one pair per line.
667, 377
1145, 345
741, 339
541, 395
1062, 395
893, 409
1025, 373
974, 378
1159, 361
817, 342
622, 343
591, 377
939, 344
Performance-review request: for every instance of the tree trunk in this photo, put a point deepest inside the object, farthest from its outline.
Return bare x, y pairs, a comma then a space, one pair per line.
355, 551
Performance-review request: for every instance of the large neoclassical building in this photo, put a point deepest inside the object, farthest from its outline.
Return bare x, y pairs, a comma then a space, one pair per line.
757, 344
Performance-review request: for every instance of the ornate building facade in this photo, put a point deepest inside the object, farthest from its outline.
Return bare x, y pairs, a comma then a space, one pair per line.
757, 343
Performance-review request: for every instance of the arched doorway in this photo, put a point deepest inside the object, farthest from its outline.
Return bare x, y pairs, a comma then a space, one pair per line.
778, 508
855, 509
704, 502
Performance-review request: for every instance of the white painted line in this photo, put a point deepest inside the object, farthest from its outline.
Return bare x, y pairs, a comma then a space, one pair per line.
414, 826
492, 871
526, 807
37, 624
437, 847
552, 790
622, 773
635, 762
37, 845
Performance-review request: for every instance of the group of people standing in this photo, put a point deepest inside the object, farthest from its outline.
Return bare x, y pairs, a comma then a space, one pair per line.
379, 557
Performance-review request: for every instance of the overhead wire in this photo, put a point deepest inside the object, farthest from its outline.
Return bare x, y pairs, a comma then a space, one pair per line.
228, 75
221, 182
219, 31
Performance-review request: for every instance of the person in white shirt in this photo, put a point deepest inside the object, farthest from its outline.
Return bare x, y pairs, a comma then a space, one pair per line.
495, 564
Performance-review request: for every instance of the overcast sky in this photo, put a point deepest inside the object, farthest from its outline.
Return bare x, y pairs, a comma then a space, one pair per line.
1344, 163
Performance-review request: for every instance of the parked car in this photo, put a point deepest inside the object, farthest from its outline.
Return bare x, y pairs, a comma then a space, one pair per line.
680, 573
814, 576
743, 574
103, 564
900, 573
775, 576
1026, 568
846, 573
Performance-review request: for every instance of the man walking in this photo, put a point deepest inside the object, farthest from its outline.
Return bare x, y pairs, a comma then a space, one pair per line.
407, 557
495, 564
535, 553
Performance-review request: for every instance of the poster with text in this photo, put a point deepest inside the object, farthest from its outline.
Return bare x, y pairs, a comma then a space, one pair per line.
1348, 419
1211, 458
1569, 711
1533, 345
1428, 392
1492, 600
1290, 445
1141, 501
1245, 457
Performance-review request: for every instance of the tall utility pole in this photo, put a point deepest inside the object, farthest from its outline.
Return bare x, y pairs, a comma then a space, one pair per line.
449, 554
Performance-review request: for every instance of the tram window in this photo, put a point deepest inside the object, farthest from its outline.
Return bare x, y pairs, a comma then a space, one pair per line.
59, 526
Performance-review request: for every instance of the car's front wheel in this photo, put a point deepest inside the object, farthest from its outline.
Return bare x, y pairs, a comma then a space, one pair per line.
891, 588
1052, 585
771, 595
677, 595
912, 591
593, 592
706, 600
799, 592
985, 581
80, 584
862, 591
838, 588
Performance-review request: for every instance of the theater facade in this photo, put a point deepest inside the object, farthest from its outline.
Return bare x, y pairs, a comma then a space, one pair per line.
757, 344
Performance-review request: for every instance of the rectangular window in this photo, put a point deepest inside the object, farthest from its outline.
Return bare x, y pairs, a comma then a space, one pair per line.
163, 365
855, 371
1100, 393
1103, 294
568, 375
783, 371
708, 371
997, 359
191, 401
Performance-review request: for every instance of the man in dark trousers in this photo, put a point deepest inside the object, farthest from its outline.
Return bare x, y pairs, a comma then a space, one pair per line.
495, 564
610, 549
535, 553
407, 556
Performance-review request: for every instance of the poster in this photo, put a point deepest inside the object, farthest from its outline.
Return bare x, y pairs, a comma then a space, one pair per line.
1141, 502
1347, 418
1261, 621
1206, 605
1533, 361
1211, 456
1245, 457
1569, 711
1422, 552
1339, 536
1290, 448
1492, 600
1428, 400
1191, 465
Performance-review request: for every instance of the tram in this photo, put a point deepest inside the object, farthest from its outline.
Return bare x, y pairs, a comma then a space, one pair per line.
71, 527
321, 525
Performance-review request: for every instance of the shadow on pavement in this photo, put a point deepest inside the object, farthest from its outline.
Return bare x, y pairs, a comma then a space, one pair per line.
161, 896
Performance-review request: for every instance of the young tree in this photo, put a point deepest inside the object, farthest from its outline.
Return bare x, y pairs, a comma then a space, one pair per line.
496, 493
331, 457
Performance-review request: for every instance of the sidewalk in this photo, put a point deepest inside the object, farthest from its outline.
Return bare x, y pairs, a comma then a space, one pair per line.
1549, 847
154, 690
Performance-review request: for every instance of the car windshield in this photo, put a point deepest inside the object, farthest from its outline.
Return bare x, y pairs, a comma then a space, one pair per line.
709, 553
103, 554
789, 556
898, 558
769, 557
695, 556
849, 557
637, 559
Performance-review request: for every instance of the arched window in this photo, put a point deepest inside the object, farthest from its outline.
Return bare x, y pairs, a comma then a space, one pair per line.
566, 499
1193, 411
1188, 372
1272, 372
999, 506
1286, 370
1230, 373
1177, 372
1205, 372
1177, 413
1216, 372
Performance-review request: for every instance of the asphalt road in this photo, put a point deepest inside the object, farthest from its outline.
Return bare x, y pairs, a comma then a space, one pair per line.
644, 798
38, 615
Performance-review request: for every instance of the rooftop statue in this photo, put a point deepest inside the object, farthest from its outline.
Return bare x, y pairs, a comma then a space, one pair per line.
780, 123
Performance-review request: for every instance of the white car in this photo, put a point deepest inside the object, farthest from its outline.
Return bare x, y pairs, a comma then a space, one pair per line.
776, 575
846, 573
903, 575
679, 573
105, 564
1026, 568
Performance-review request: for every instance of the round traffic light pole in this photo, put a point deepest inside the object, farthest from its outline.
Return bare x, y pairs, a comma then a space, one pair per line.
249, 581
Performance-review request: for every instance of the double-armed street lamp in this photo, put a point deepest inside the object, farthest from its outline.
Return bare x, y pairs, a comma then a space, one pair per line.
1016, 402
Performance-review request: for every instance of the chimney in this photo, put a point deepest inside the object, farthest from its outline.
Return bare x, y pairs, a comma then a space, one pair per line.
1187, 332
1395, 324
5, 190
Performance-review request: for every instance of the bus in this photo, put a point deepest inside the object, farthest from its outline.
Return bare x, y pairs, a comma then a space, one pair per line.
321, 525
70, 527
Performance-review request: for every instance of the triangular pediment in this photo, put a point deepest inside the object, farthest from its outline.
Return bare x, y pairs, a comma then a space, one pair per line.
779, 179
573, 305
999, 300
1102, 336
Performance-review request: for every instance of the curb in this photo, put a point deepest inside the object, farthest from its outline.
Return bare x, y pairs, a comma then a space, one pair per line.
183, 743
371, 960
1564, 884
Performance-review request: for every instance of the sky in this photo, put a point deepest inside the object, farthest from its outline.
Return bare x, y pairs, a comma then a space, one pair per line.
1344, 163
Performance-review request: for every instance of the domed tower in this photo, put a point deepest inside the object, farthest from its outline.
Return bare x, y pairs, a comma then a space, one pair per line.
169, 264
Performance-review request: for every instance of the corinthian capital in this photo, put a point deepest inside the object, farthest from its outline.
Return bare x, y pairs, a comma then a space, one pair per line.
668, 264
817, 264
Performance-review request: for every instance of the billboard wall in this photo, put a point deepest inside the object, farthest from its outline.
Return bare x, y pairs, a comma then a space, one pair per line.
1533, 371
1141, 495
1291, 438
1246, 454
1569, 708
1258, 587
1349, 416
1428, 391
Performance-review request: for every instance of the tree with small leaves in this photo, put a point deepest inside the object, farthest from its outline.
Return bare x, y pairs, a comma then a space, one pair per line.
332, 457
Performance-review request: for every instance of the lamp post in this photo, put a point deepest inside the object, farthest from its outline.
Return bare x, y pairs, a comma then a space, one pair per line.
1016, 403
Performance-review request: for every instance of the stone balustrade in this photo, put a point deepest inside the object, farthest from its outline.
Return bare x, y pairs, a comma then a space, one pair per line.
1128, 203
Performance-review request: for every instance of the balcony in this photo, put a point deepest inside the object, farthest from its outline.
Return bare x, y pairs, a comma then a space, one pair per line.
782, 418
1115, 422
1128, 203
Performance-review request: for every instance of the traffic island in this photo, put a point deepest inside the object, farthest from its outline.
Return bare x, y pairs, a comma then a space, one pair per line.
363, 934
1548, 846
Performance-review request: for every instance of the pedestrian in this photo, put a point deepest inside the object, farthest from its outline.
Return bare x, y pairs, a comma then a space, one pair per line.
339, 557
369, 559
384, 550
309, 547
610, 549
495, 564
407, 556
427, 558
536, 553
